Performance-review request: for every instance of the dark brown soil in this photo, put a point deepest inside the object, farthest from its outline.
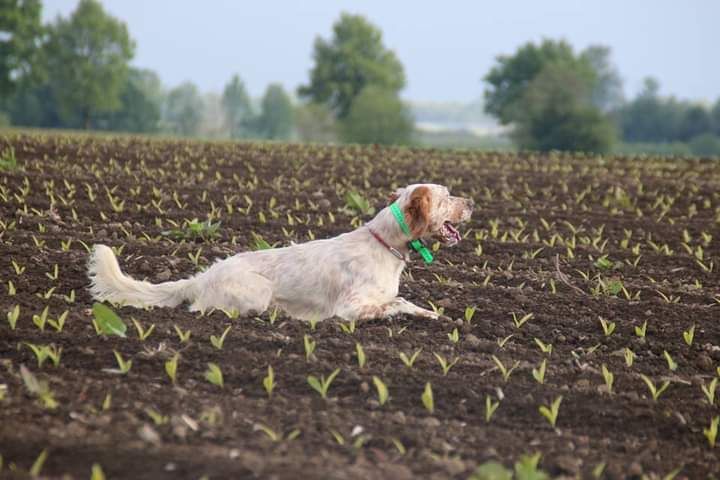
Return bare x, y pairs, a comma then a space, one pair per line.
525, 203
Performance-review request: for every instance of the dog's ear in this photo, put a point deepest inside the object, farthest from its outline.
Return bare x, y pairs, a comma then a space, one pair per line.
395, 195
418, 211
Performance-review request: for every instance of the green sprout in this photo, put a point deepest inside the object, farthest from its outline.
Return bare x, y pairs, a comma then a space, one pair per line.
309, 344
382, 390
348, 327
544, 347
504, 371
171, 367
609, 378
218, 342
629, 357
124, 366
519, 322
183, 335
142, 333
411, 360
672, 364
640, 331
427, 398
444, 364
360, 355
454, 336
469, 313
214, 375
711, 432
41, 320
551, 412
12, 316
689, 335
269, 381
654, 391
322, 384
608, 327
490, 408
709, 390
539, 373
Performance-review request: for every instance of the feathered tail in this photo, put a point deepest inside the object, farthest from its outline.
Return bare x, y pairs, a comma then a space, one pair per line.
109, 283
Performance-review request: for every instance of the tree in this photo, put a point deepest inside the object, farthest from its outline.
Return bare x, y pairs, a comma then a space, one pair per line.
549, 95
314, 122
276, 119
141, 100
557, 114
237, 108
354, 58
183, 110
696, 120
87, 61
377, 116
607, 93
510, 77
715, 114
650, 118
20, 35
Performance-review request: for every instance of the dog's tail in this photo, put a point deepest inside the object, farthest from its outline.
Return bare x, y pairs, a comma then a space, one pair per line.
109, 283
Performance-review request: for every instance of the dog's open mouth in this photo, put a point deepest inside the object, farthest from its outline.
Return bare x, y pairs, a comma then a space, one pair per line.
449, 235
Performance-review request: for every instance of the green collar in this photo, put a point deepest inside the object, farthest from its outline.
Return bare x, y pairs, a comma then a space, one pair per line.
416, 244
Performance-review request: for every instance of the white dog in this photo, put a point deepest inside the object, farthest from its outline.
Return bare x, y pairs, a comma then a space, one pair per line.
355, 275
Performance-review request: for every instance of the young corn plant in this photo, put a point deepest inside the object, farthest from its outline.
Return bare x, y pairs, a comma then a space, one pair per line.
539, 373
711, 432
143, 334
504, 371
490, 408
269, 381
469, 313
444, 364
608, 377
12, 316
520, 321
322, 384
551, 412
171, 367
218, 342
709, 390
545, 348
214, 375
382, 390
629, 357
672, 364
689, 335
655, 391
608, 327
59, 323
410, 361
183, 335
309, 344
427, 398
41, 320
502, 341
641, 331
360, 355
124, 366
454, 336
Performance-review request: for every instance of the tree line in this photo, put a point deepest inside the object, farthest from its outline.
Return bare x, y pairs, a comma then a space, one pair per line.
76, 73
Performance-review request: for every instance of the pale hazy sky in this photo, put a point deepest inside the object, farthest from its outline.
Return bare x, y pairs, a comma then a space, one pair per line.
446, 47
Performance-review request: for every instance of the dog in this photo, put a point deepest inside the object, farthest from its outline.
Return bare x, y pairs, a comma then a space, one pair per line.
354, 276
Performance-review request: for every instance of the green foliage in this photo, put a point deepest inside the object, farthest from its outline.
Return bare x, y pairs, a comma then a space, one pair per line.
355, 201
237, 107
354, 58
183, 110
547, 92
8, 161
87, 61
315, 123
20, 20
276, 118
377, 115
141, 100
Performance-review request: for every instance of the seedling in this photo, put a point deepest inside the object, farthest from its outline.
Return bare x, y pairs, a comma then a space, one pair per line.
183, 335
709, 390
454, 336
157, 418
654, 391
171, 367
711, 432
544, 347
519, 322
640, 331
410, 361
360, 355
427, 398
490, 408
97, 472
273, 435
38, 388
272, 317
11, 289
43, 352
309, 347
214, 375
218, 342
54, 274
269, 381
444, 364
348, 327
107, 402
503, 369
689, 335
469, 313
551, 412
358, 203
382, 390
124, 365
502, 341
609, 378
539, 373
439, 311
608, 327
629, 357
70, 298
142, 333
107, 322
322, 384
41, 320
12, 316
672, 365
38, 464
59, 323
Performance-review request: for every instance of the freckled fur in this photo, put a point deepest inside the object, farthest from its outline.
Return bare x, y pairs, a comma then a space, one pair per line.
351, 276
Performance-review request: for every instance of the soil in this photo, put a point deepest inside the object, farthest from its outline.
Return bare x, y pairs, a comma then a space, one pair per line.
533, 202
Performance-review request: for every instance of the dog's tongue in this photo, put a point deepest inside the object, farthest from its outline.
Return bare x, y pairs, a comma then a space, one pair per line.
453, 232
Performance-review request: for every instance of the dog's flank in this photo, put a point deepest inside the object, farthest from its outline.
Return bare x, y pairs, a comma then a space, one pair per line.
352, 276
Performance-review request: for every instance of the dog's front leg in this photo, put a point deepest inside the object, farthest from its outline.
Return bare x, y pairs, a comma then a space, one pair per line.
396, 306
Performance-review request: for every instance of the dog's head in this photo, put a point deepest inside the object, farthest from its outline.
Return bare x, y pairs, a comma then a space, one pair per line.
431, 212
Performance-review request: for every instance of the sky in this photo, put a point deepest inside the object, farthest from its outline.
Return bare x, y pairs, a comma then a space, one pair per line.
445, 47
